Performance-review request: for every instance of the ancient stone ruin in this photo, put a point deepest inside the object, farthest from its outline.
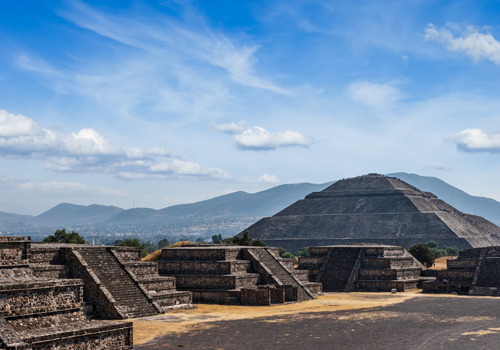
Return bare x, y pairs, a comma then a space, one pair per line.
474, 272
46, 312
362, 267
118, 285
237, 275
373, 209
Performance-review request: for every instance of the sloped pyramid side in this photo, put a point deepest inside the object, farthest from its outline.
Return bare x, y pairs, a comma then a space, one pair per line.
373, 209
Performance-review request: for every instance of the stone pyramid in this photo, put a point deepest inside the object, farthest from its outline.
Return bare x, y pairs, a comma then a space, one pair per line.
373, 209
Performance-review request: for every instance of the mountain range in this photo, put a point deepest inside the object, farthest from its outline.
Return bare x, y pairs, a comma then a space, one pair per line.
227, 214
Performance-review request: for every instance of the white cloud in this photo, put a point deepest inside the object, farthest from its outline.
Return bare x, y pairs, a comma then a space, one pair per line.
269, 179
474, 44
68, 187
20, 135
373, 95
131, 176
89, 151
442, 166
475, 140
181, 167
257, 138
231, 128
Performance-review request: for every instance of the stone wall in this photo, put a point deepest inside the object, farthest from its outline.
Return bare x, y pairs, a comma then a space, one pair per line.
142, 269
205, 254
217, 282
30, 298
13, 250
155, 285
461, 263
46, 255
128, 253
203, 267
99, 339
50, 271
489, 275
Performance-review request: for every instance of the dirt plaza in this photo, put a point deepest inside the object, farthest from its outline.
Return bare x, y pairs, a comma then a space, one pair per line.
411, 320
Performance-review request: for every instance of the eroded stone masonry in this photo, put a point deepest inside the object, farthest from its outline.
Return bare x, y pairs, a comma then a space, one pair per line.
475, 272
46, 312
237, 275
363, 267
373, 208
118, 285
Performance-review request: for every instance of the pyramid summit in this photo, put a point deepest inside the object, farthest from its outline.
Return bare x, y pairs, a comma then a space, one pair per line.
373, 208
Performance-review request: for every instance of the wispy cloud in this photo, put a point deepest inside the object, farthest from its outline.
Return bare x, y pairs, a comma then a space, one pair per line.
161, 35
68, 187
442, 166
475, 140
469, 41
264, 179
374, 95
257, 138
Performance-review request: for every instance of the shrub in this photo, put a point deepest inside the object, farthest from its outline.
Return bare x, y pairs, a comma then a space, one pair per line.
422, 253
289, 255
432, 244
133, 242
304, 252
61, 236
246, 240
217, 239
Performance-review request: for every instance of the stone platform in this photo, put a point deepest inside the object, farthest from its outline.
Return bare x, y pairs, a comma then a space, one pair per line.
363, 267
45, 312
118, 285
475, 272
236, 275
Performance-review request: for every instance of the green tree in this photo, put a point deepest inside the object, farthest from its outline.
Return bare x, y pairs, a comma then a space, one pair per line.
133, 242
163, 243
61, 236
304, 252
432, 244
422, 253
246, 240
217, 239
281, 251
451, 251
258, 243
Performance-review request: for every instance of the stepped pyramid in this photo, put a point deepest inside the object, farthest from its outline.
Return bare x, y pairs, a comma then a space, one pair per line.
373, 209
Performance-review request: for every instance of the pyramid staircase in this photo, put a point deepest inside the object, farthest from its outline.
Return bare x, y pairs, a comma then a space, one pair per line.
235, 275
474, 272
130, 300
363, 267
118, 285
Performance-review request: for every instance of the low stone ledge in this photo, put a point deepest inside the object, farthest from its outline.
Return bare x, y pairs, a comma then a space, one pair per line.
10, 285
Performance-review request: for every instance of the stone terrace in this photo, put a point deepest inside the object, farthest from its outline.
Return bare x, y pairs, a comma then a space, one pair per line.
45, 312
118, 284
236, 275
475, 272
363, 267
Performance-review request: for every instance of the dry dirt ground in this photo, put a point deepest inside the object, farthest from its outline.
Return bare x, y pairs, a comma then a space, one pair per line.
440, 263
333, 321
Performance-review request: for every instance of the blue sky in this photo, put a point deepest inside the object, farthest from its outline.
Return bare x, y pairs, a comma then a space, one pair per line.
164, 102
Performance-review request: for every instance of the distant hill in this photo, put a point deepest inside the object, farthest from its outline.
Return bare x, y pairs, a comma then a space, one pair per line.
227, 214
14, 217
233, 205
72, 214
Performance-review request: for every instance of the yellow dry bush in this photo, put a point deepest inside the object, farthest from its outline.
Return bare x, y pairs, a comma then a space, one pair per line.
157, 253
